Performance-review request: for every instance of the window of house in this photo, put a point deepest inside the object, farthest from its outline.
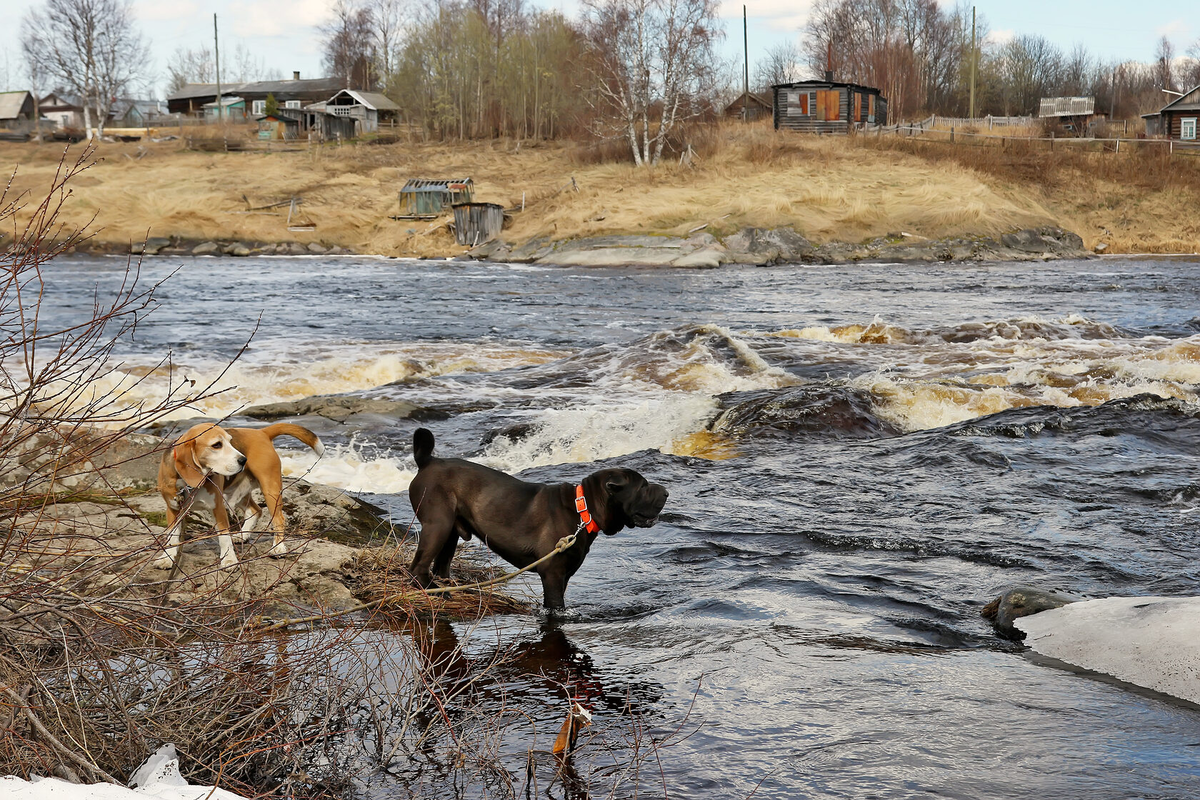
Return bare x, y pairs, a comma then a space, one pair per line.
259, 106
1187, 128
291, 104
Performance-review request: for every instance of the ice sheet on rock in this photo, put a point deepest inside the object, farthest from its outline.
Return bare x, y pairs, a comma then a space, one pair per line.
1152, 642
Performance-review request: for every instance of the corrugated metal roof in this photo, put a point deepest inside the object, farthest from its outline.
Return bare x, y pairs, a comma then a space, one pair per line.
373, 100
1066, 106
435, 184
11, 104
307, 85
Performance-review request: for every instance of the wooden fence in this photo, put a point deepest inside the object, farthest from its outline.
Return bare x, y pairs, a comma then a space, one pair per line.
971, 136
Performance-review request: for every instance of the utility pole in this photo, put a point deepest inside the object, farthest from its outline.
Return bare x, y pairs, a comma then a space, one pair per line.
974, 54
746, 66
217, 65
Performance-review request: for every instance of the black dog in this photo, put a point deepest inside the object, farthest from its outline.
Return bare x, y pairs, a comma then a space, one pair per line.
520, 521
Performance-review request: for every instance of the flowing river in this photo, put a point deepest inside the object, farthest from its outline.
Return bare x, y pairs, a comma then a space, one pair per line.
859, 458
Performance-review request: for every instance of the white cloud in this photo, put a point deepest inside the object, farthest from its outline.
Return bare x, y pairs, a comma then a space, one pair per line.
146, 10
1175, 29
1000, 37
781, 14
265, 18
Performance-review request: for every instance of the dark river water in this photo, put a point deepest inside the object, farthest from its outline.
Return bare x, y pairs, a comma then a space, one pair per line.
859, 458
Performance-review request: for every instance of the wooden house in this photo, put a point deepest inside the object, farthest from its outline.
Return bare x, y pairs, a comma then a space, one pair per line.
757, 105
296, 93
328, 127
367, 109
1177, 119
62, 109
230, 109
127, 112
16, 111
826, 106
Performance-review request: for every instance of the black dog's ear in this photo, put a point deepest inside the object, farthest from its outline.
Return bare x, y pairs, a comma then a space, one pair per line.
616, 483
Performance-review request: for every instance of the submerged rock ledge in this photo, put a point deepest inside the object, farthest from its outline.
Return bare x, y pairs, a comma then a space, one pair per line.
766, 246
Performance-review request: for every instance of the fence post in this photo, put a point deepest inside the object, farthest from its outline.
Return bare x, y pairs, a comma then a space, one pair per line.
951, 134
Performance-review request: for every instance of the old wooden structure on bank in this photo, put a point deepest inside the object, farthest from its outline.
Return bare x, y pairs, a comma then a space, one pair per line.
1074, 116
425, 198
750, 106
477, 223
1178, 119
827, 106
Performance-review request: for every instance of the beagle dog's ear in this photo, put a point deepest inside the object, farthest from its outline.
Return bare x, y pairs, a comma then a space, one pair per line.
184, 455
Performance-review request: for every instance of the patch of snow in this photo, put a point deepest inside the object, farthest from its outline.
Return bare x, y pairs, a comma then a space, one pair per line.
157, 778
1152, 642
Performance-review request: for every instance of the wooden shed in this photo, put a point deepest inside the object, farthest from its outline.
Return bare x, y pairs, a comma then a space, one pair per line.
827, 106
1179, 119
429, 197
278, 126
1074, 116
756, 105
477, 223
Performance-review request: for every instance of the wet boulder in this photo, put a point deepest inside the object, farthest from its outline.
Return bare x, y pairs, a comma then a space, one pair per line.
767, 246
1048, 240
1021, 601
338, 408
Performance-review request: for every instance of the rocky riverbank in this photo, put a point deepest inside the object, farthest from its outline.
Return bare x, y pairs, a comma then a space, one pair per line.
765, 246
108, 518
758, 246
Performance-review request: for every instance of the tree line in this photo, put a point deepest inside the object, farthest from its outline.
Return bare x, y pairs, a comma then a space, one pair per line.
921, 53
628, 71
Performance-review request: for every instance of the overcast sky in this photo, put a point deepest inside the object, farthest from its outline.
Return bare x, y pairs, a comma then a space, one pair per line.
283, 33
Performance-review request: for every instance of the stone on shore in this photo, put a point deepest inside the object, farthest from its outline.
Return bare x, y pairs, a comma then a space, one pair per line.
206, 249
1021, 601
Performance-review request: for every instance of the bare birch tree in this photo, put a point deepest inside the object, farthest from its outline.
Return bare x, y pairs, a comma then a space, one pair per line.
782, 63
653, 63
91, 47
350, 46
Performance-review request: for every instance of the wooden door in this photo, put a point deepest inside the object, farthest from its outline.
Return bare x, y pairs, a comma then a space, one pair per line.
833, 99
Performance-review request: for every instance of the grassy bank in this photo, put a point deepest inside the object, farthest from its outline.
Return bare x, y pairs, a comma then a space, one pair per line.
827, 188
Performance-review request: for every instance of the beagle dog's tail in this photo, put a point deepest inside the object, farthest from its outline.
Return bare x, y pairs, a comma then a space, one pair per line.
303, 434
422, 447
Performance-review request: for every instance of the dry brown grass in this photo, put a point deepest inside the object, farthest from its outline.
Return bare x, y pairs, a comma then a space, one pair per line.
828, 188
1130, 200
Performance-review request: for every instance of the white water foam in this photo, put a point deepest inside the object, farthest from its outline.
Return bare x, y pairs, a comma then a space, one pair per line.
603, 430
265, 376
351, 468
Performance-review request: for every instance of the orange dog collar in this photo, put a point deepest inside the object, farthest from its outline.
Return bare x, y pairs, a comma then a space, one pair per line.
584, 516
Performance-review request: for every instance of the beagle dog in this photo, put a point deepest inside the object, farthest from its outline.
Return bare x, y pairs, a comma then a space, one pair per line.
221, 467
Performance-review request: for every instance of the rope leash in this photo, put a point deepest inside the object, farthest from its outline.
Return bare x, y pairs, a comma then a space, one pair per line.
563, 544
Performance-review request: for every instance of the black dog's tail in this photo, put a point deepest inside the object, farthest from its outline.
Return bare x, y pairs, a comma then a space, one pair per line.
423, 447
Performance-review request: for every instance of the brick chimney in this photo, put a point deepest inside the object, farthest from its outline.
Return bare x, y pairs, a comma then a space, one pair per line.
296, 75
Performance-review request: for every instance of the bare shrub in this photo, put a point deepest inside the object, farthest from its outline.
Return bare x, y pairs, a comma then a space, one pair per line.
101, 663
